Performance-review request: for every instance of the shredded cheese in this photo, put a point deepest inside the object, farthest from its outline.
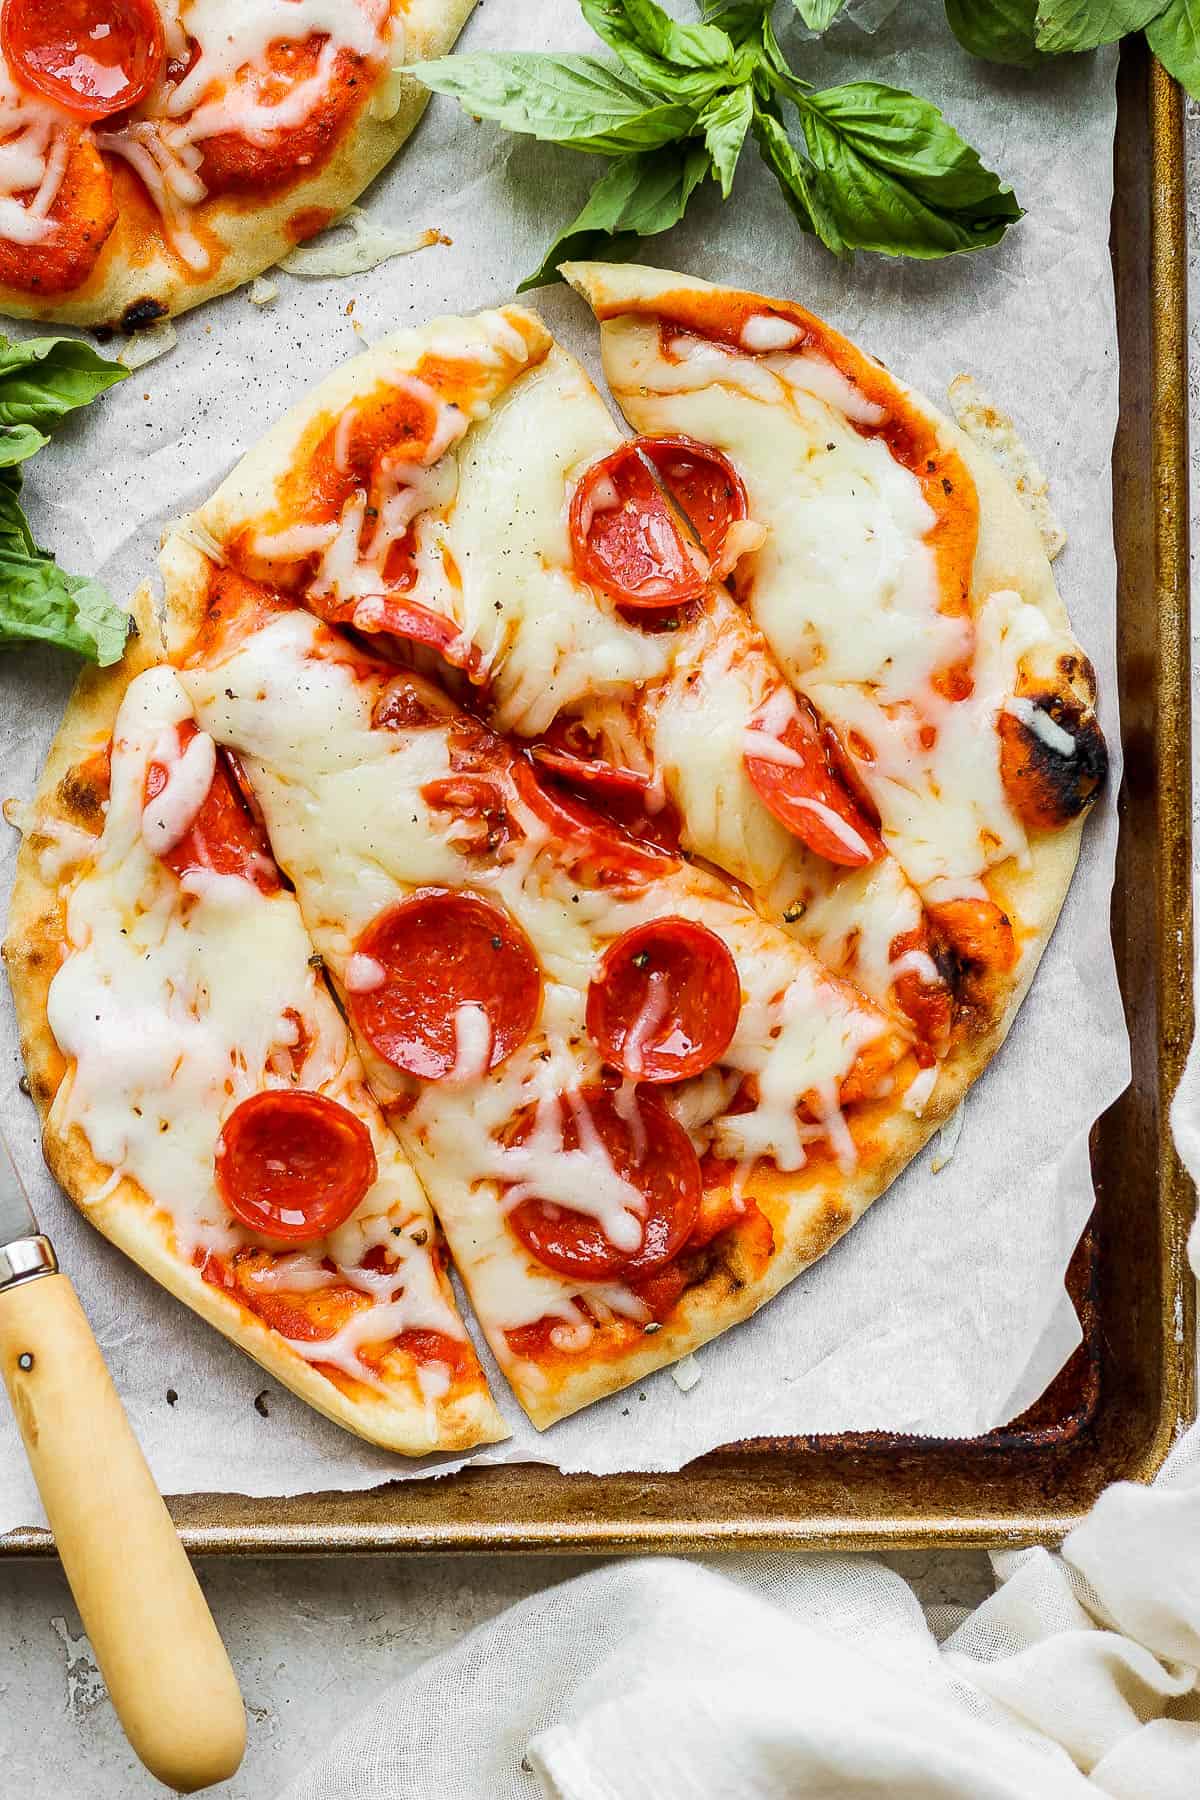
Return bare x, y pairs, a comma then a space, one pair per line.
334, 255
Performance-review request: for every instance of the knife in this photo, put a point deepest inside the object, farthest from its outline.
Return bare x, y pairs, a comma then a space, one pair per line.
154, 1639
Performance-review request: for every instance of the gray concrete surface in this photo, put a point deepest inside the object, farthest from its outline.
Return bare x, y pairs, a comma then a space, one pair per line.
315, 1642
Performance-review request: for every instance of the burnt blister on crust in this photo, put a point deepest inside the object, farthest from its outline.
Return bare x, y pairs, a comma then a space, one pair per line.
1047, 785
975, 949
140, 314
82, 800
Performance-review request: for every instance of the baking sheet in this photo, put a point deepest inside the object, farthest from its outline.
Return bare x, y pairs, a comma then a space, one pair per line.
943, 1312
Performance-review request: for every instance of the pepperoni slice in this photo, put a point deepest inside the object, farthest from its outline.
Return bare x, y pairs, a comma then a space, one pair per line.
590, 772
445, 959
91, 57
595, 846
223, 836
651, 1151
793, 780
625, 537
293, 1164
406, 704
398, 616
664, 1004
702, 482
417, 624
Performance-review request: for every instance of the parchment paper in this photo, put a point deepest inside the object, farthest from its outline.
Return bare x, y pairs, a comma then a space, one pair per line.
944, 1310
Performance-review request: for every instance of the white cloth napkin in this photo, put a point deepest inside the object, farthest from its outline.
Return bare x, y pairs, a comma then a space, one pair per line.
762, 1678
808, 1678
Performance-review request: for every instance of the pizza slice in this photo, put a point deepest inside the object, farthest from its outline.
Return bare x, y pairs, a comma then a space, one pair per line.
154, 153
905, 594
203, 1102
638, 1108
461, 493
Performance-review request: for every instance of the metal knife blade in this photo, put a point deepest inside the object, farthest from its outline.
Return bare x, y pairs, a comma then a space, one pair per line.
16, 1214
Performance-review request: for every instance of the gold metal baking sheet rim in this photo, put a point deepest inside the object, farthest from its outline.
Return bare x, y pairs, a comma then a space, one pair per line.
909, 1494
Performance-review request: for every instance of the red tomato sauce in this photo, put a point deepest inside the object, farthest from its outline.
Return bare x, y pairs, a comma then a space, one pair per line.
83, 214
313, 1318
234, 165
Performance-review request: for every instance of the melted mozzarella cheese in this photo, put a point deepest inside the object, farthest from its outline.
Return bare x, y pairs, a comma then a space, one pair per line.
853, 923
699, 724
946, 815
35, 145
547, 639
66, 847
354, 557
798, 1034
767, 331
1047, 730
846, 584
174, 1002
169, 172
413, 494
232, 39
541, 1167
347, 817
189, 774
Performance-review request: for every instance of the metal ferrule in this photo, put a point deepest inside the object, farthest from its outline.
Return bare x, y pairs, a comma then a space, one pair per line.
25, 1259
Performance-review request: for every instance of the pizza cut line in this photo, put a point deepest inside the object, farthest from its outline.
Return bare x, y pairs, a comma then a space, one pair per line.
154, 153
668, 917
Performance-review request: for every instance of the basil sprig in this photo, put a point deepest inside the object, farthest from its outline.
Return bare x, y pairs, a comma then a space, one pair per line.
862, 166
42, 382
1024, 33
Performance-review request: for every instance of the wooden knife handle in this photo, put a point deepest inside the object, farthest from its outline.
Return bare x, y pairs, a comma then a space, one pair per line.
154, 1638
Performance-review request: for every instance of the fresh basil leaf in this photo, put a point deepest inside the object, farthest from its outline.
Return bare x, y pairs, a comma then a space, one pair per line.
819, 15
998, 31
725, 122
19, 442
897, 176
738, 19
42, 380
608, 20
639, 196
14, 527
1086, 24
1174, 37
774, 67
687, 46
98, 618
38, 600
575, 100
803, 186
